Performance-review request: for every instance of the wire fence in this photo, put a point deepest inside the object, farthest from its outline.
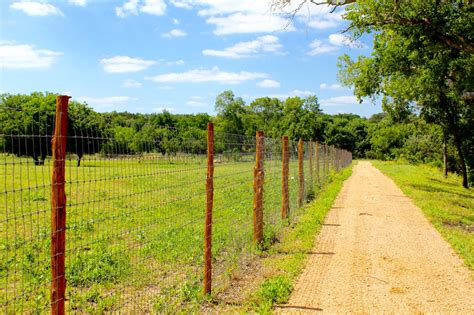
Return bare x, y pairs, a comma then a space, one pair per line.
90, 224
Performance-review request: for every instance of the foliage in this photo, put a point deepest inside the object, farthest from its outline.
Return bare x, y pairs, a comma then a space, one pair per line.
422, 56
388, 135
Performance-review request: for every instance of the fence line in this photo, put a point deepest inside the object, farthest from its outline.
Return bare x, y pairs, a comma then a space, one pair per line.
139, 215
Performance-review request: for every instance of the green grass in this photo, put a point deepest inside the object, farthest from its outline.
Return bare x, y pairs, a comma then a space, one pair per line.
135, 229
448, 205
287, 258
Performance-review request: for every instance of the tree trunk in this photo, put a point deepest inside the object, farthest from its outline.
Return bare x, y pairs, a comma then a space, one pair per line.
458, 141
451, 119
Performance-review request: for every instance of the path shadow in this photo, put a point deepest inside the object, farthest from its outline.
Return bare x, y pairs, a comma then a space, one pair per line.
304, 252
321, 253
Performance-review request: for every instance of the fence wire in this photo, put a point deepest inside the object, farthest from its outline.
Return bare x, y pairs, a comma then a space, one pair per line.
135, 213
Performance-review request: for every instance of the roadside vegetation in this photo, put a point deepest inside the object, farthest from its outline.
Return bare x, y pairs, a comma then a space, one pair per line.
276, 270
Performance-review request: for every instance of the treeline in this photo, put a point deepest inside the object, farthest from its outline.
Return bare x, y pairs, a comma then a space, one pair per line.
386, 136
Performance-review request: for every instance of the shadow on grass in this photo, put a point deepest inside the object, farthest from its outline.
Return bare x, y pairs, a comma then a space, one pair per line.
438, 190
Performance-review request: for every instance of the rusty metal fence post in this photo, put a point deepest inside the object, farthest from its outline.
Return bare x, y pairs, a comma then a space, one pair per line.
300, 174
258, 176
285, 201
209, 206
58, 206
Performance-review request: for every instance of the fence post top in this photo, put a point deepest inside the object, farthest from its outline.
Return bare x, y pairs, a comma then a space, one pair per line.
259, 133
210, 126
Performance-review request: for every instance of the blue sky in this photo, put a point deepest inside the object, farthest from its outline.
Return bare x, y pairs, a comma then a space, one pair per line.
149, 55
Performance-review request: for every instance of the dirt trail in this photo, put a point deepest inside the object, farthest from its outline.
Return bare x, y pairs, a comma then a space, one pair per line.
377, 253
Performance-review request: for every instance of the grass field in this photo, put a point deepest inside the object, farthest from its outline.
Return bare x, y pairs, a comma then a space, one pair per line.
448, 205
135, 229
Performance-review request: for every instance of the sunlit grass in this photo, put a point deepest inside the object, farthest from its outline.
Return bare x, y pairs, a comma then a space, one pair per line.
135, 230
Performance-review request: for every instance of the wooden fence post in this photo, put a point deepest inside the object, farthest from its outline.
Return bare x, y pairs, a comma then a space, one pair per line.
328, 161
300, 174
325, 170
58, 207
317, 161
258, 178
209, 206
285, 202
311, 182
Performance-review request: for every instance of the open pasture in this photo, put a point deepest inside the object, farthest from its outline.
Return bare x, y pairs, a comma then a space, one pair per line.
135, 229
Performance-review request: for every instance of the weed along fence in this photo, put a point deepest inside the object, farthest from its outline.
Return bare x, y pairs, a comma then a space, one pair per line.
90, 222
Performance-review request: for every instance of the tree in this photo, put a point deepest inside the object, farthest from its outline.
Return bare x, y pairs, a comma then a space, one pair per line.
348, 131
27, 125
422, 55
266, 114
230, 112
301, 119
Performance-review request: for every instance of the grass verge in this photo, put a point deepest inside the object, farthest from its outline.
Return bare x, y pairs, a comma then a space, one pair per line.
286, 259
448, 205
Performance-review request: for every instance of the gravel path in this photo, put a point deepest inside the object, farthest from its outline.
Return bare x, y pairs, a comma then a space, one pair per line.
377, 253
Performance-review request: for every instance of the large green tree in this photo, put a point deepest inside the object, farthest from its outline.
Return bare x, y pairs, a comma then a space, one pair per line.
422, 56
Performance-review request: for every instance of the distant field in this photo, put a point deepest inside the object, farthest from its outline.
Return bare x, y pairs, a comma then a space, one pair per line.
448, 205
134, 229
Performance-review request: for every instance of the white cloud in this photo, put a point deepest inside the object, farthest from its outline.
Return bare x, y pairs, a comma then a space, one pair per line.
35, 8
269, 84
105, 102
323, 19
79, 3
267, 43
250, 16
299, 93
339, 100
208, 75
22, 56
175, 21
179, 62
174, 33
129, 7
318, 47
342, 40
184, 4
240, 23
315, 16
222, 7
153, 7
129, 83
122, 64
326, 86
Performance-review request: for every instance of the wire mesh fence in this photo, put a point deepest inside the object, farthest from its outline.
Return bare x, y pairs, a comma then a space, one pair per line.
93, 223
